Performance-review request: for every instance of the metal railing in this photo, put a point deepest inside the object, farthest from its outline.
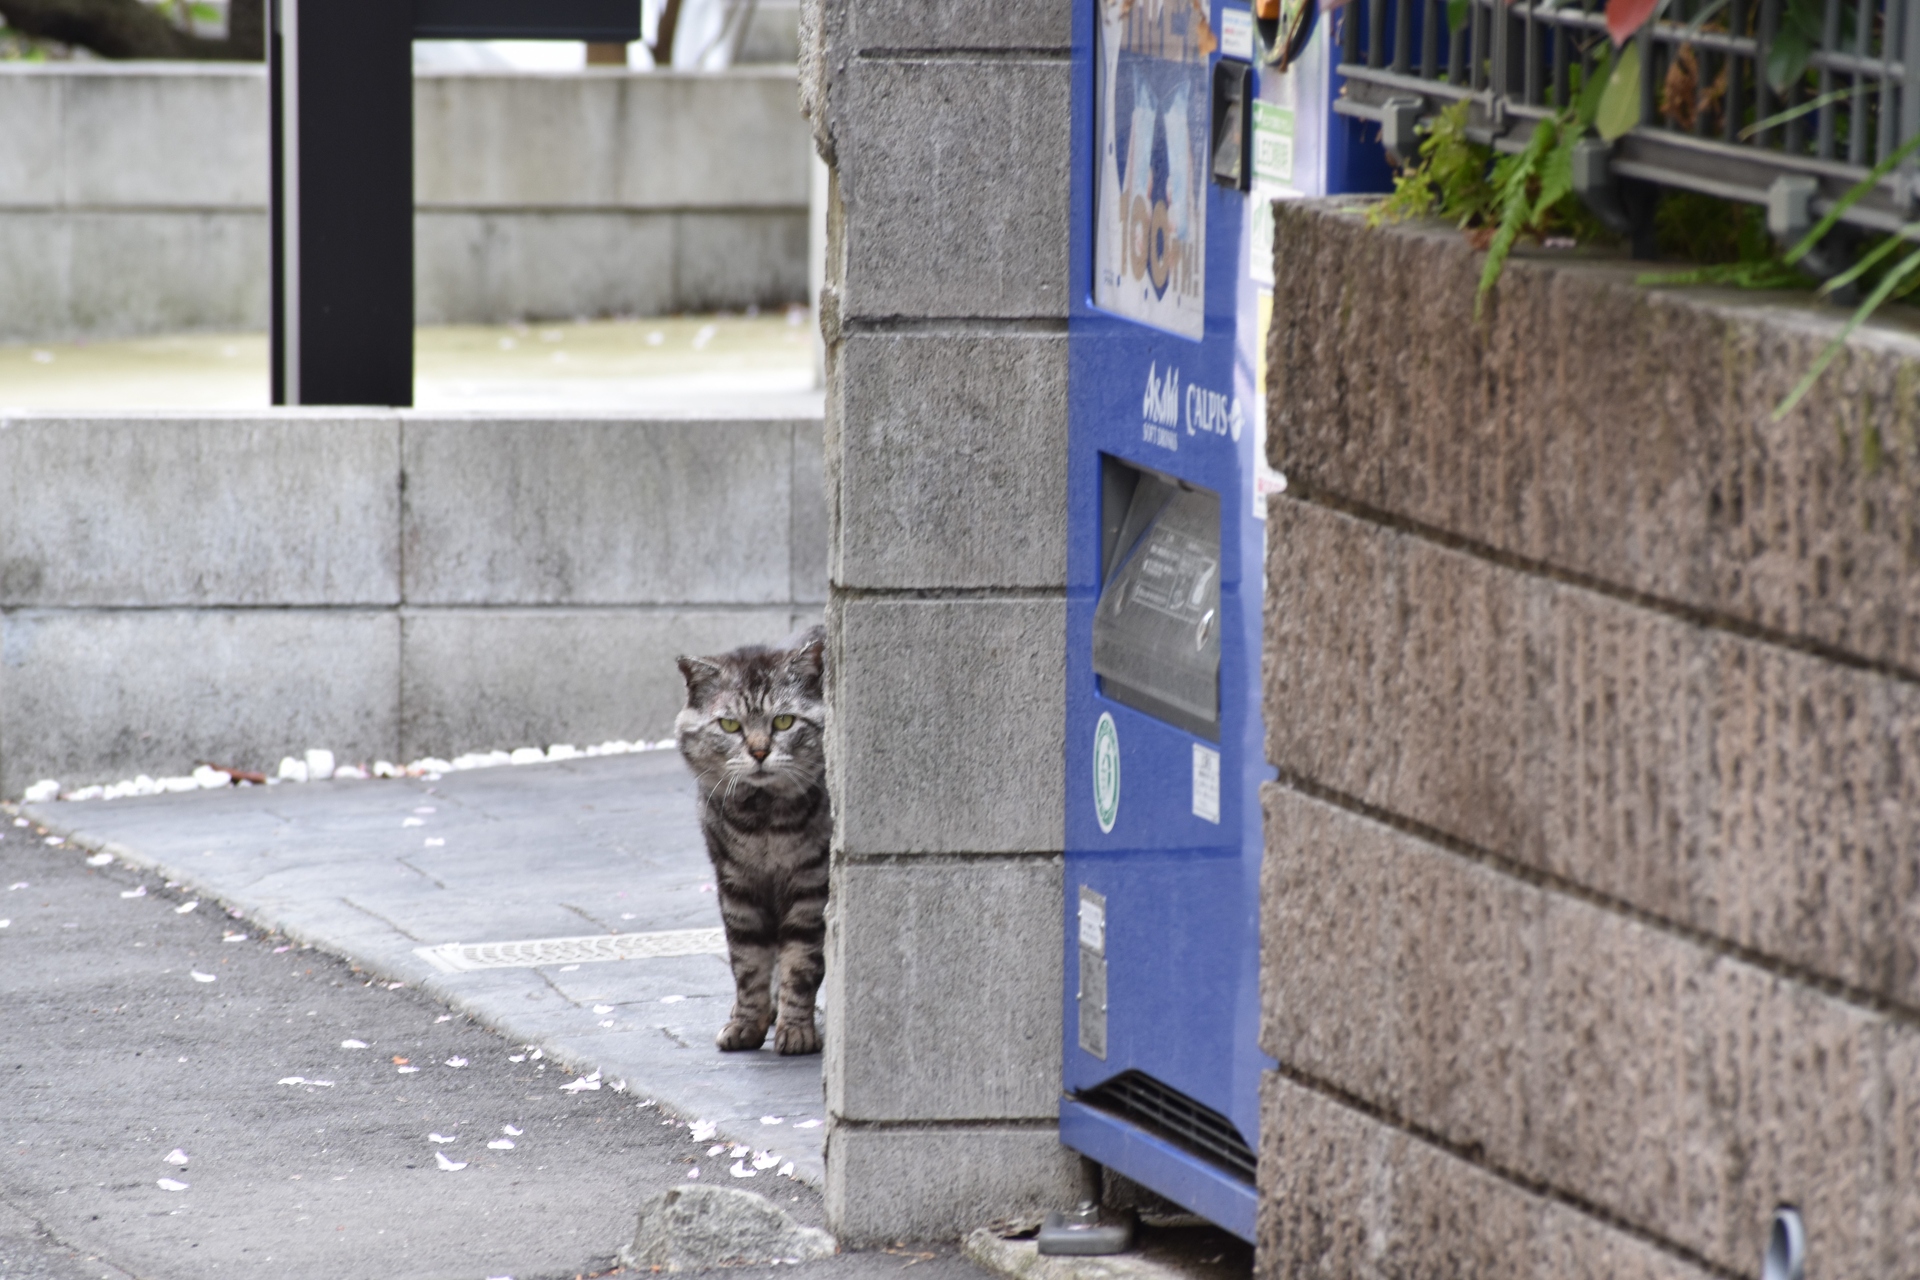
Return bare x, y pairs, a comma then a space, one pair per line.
1707, 69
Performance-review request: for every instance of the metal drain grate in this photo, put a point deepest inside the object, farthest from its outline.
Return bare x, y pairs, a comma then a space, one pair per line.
461, 957
1173, 1115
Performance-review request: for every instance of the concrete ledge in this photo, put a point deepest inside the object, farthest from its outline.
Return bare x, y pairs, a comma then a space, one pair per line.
135, 196
951, 1011
90, 696
181, 588
1747, 790
909, 1183
623, 512
479, 679
1608, 429
295, 508
1680, 1091
1342, 1195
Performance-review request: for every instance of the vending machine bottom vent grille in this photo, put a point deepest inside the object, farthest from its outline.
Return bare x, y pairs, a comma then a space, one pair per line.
1174, 1116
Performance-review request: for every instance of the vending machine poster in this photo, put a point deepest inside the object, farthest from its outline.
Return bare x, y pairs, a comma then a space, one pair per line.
1150, 236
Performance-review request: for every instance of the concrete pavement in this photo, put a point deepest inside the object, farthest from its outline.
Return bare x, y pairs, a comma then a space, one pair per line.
383, 871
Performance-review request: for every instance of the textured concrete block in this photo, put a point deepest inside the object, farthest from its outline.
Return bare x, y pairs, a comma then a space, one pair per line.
36, 260
894, 1184
176, 509
1681, 1091
1345, 1197
944, 990
739, 258
894, 26
634, 511
953, 458
213, 276
808, 539
1754, 792
180, 135
487, 267
1385, 391
483, 679
31, 148
652, 140
950, 175
95, 697
947, 724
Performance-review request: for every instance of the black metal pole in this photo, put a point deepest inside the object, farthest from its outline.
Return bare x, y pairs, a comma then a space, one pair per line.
343, 202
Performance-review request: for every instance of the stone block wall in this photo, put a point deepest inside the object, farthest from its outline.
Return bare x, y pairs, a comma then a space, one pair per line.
1591, 911
133, 196
181, 588
944, 314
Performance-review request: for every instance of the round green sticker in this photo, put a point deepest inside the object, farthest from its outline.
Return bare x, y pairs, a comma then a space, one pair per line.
1106, 772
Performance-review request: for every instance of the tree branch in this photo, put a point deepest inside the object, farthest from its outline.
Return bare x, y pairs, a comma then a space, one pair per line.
130, 29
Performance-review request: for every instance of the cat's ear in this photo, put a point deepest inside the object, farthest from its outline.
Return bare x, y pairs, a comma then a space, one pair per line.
807, 660
700, 676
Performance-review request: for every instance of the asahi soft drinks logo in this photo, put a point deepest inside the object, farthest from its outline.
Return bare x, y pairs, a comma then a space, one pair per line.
1205, 412
1160, 408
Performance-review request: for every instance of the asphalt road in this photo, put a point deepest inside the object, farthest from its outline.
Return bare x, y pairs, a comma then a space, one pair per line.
114, 1054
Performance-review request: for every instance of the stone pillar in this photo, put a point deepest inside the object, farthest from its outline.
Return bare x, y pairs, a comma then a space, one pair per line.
1591, 913
944, 316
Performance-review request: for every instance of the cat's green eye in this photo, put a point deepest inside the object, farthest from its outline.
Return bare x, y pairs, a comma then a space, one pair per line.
783, 723
731, 726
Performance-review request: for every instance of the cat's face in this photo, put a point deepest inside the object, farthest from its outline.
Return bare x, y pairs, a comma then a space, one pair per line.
754, 717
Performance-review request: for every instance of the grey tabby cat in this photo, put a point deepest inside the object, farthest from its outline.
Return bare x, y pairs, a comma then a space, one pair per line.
752, 733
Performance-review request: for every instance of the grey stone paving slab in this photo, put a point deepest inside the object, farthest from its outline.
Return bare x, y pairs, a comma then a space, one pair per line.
568, 849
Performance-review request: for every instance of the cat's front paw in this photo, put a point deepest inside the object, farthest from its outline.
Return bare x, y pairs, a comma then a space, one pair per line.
742, 1033
796, 1037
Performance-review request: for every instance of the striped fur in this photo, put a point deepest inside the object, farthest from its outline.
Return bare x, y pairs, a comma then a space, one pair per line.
767, 820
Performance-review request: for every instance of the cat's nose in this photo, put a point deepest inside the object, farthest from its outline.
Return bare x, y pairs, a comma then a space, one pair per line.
758, 750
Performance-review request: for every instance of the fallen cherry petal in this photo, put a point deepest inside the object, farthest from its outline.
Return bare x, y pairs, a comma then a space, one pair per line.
278, 950
773, 1119
516, 1057
694, 1172
171, 1184
808, 1124
701, 1130
456, 1062
202, 977
451, 1166
354, 1044
140, 892
99, 859
500, 1144
293, 1080
185, 907
739, 1170
441, 1137
786, 1170
765, 1160
603, 1008
510, 1130
177, 1156
407, 1071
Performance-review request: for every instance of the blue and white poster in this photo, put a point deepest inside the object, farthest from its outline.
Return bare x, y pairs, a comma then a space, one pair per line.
1150, 234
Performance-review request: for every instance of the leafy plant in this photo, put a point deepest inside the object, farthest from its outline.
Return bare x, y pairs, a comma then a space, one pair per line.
1499, 197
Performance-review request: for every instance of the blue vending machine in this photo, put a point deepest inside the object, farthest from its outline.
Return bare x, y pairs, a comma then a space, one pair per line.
1189, 118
